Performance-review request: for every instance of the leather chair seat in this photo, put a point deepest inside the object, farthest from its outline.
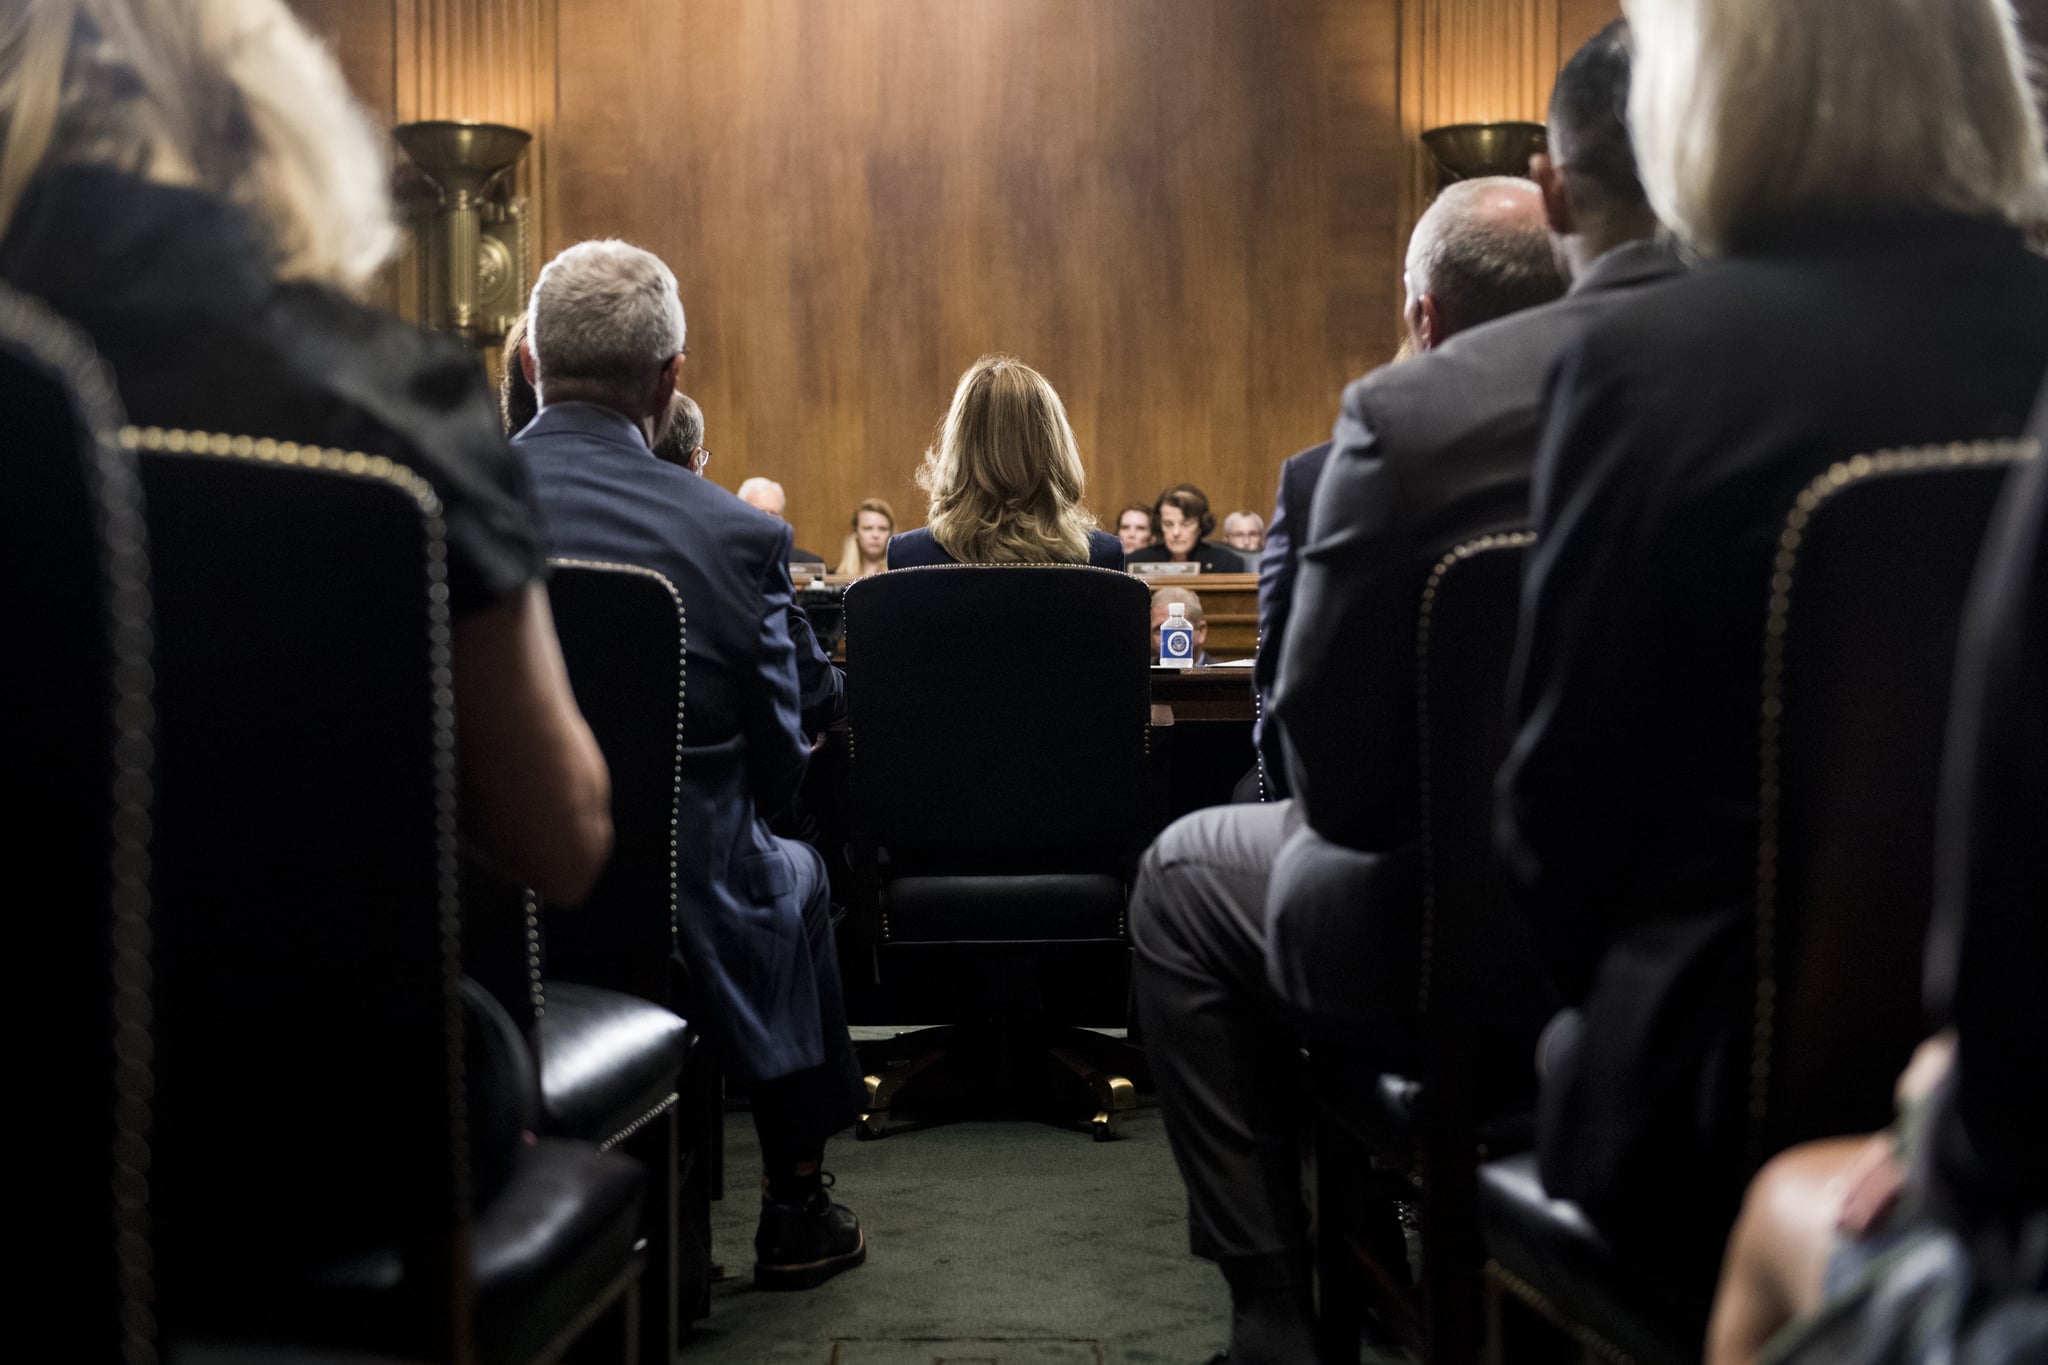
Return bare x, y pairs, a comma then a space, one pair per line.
1032, 907
564, 1228
553, 1242
608, 1060
1550, 1247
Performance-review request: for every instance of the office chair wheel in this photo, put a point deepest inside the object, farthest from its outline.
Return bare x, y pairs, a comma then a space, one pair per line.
1103, 1126
870, 1127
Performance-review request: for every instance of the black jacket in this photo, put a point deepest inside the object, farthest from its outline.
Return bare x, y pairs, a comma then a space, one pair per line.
1683, 426
174, 287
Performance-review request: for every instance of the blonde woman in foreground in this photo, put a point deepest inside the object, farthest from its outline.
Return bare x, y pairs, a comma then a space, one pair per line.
1005, 479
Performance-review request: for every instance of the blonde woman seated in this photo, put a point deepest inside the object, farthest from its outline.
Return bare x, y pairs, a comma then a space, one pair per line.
1005, 479
867, 544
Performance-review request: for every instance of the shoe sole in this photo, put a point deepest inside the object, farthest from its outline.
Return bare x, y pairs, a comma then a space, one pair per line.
810, 1274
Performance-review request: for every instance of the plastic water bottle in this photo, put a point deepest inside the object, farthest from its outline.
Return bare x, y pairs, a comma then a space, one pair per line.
1176, 638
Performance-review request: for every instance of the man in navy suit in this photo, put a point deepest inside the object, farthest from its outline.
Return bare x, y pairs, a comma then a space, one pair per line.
605, 339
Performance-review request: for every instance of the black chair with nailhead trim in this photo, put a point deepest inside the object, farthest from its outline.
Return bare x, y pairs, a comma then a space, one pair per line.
622, 633
1861, 631
1385, 1139
998, 746
339, 1155
78, 735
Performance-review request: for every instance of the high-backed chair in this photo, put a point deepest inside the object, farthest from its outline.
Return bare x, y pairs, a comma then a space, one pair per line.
329, 1166
1872, 570
1481, 997
76, 709
622, 633
998, 731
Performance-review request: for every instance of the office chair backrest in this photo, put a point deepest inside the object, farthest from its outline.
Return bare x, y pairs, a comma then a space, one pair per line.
76, 707
1872, 571
999, 712
623, 637
310, 1030
1481, 974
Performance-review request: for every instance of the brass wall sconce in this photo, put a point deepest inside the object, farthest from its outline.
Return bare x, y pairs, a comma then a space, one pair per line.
475, 263
1466, 151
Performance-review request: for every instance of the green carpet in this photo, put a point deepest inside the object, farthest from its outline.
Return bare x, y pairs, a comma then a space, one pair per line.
996, 1243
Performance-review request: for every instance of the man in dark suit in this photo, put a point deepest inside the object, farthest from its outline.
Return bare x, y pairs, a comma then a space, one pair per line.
1255, 924
755, 928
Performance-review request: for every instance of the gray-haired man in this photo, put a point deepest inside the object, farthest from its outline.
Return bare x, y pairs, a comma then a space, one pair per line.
754, 925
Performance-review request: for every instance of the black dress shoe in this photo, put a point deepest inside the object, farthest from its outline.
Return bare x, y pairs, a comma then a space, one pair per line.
800, 1246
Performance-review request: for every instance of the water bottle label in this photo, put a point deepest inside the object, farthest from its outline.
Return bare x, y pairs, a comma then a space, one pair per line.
1177, 646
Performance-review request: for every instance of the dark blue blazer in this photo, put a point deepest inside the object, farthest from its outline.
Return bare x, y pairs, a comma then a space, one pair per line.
740, 928
914, 549
1277, 566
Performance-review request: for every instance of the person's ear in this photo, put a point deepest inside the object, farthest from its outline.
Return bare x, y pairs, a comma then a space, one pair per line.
526, 365
1557, 195
1427, 326
672, 373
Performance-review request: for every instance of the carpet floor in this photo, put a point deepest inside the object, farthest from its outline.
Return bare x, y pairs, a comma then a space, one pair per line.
991, 1242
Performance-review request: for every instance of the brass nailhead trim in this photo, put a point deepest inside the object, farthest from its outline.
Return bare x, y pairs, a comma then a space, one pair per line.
1585, 1336
1507, 540
627, 1133
1842, 475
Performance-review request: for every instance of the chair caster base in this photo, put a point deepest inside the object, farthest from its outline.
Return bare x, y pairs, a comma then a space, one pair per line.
871, 1127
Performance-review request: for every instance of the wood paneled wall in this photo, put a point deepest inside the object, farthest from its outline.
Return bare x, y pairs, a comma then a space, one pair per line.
1177, 210
1188, 213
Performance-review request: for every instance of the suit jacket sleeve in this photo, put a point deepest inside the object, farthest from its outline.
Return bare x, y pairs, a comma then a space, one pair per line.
771, 711
823, 686
1341, 699
1582, 667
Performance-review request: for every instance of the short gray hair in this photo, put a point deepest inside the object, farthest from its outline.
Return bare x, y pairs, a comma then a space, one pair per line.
683, 433
1186, 597
606, 315
1478, 264
1747, 111
757, 484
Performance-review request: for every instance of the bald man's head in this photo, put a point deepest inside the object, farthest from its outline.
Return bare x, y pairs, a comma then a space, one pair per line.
1482, 251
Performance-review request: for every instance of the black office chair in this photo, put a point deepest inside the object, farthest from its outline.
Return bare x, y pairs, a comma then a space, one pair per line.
330, 1169
1871, 574
622, 633
998, 735
76, 707
1481, 999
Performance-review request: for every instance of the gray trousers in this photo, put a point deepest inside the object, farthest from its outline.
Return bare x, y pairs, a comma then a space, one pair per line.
1223, 1046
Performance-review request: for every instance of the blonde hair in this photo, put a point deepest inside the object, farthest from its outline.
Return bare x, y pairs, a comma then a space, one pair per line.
1005, 475
1746, 111
228, 96
849, 554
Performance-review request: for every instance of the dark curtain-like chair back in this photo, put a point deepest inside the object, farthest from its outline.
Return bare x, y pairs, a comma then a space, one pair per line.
310, 1031
622, 633
998, 714
76, 707
1872, 571
1481, 976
